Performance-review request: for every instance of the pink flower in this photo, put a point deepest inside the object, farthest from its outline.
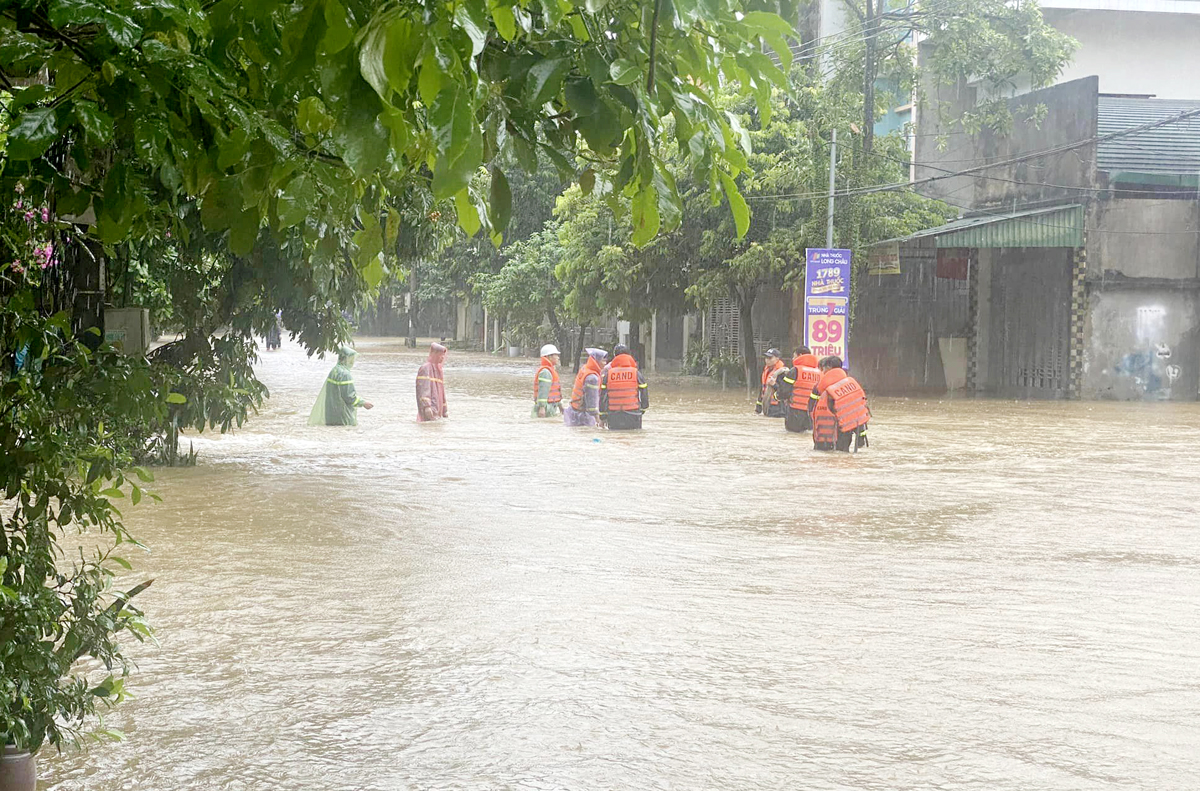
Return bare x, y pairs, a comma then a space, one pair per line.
28, 216
168, 234
16, 266
20, 204
45, 215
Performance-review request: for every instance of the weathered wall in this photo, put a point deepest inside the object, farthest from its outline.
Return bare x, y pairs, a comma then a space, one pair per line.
1144, 238
899, 321
1133, 51
1070, 117
1142, 344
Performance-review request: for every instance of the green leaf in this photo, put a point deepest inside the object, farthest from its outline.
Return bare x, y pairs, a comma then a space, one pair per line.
136, 495
312, 118
431, 79
113, 492
500, 200
76, 13
587, 181
400, 51
392, 229
452, 120
144, 475
243, 231
97, 124
339, 31
544, 79
368, 240
32, 134
581, 97
363, 144
468, 215
176, 398
775, 31
8, 592
122, 562
737, 204
370, 59
472, 17
451, 176
373, 273
297, 201
624, 72
506, 23
645, 215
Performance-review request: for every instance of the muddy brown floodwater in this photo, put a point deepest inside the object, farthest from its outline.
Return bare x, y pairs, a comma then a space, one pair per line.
996, 595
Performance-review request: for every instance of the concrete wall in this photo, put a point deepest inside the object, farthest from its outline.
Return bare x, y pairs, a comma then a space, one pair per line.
1134, 51
1142, 344
1141, 238
1070, 117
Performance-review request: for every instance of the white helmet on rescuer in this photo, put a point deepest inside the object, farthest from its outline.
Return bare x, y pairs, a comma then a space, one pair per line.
549, 349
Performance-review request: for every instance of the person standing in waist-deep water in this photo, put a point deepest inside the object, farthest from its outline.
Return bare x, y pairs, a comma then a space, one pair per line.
840, 412
768, 401
795, 390
431, 386
584, 409
275, 332
624, 397
547, 390
338, 402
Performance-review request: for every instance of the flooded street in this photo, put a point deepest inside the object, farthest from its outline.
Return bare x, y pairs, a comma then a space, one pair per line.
996, 595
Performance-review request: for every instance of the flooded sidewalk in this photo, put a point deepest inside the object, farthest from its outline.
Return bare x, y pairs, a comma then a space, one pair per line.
995, 595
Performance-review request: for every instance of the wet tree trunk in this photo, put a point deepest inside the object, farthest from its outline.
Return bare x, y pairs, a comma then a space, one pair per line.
745, 303
413, 308
579, 347
561, 336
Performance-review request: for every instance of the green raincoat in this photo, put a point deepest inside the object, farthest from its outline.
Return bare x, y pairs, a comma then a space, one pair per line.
338, 403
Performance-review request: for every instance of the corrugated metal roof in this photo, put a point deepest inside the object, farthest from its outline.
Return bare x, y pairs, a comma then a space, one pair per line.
1051, 226
1173, 149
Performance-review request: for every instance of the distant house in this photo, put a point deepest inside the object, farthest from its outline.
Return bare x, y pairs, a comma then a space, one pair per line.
1074, 270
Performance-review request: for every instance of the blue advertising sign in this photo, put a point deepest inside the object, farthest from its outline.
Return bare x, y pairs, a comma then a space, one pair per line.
827, 301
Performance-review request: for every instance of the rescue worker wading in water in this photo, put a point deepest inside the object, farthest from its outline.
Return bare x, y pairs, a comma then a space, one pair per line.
623, 393
839, 409
769, 403
795, 387
547, 390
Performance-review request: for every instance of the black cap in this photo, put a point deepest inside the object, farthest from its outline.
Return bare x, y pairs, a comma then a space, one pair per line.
619, 349
773, 352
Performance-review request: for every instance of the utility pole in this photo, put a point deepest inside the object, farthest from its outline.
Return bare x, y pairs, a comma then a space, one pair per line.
832, 186
870, 35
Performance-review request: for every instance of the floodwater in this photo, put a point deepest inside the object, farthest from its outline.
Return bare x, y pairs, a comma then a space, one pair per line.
996, 595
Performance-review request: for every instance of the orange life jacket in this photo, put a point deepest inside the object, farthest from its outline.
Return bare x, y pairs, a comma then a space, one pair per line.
622, 385
768, 385
590, 367
825, 424
555, 385
849, 404
807, 376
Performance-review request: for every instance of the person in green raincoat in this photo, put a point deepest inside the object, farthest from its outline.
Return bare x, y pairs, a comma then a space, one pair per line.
338, 403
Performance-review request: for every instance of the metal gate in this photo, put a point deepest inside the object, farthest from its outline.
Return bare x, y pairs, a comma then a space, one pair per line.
1030, 323
725, 329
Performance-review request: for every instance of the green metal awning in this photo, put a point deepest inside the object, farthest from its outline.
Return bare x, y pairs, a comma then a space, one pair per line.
1052, 226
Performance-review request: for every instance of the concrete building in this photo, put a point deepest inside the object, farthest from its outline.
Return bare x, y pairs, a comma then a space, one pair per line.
1075, 269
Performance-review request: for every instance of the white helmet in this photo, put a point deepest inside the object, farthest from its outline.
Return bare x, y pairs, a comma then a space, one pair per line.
549, 349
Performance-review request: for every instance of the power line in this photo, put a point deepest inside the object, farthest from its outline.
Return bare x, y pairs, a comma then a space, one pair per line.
1004, 163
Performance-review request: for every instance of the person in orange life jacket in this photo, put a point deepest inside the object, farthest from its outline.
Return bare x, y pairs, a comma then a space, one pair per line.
839, 409
768, 401
547, 391
584, 409
794, 387
623, 393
